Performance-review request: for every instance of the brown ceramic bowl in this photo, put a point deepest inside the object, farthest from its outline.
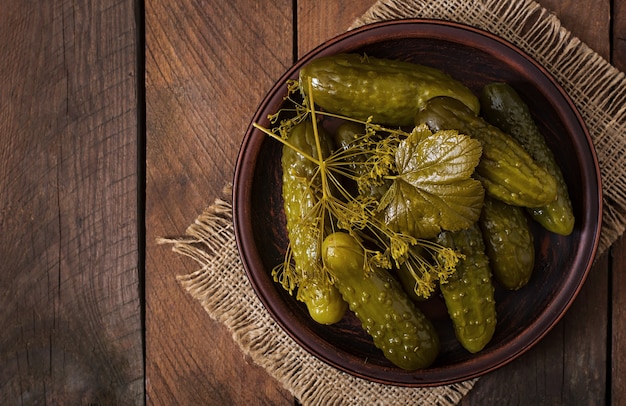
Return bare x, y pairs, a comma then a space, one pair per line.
562, 263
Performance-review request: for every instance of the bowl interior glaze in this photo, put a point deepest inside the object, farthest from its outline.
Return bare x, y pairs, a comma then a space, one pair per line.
562, 263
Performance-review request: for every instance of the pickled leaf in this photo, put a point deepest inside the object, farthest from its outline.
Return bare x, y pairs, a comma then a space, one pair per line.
434, 190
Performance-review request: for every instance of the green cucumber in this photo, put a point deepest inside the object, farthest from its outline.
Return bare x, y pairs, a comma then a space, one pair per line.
503, 107
403, 333
508, 242
389, 91
469, 292
300, 195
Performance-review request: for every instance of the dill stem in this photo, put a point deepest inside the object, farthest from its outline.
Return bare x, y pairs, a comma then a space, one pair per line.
286, 143
321, 161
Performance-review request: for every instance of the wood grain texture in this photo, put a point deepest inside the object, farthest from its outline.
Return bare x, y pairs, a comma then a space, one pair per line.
69, 287
319, 21
618, 324
590, 21
208, 64
618, 38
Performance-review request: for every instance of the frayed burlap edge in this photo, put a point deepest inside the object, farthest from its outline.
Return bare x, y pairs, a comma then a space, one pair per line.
598, 89
211, 242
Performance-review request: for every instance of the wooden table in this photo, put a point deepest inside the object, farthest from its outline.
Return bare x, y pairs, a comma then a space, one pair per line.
110, 138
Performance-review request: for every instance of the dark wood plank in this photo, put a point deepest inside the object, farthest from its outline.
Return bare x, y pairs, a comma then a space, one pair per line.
619, 35
588, 20
71, 319
618, 323
618, 265
208, 65
319, 21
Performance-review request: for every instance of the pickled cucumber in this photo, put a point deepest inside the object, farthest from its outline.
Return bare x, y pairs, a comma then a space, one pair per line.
469, 292
503, 107
300, 194
508, 242
403, 333
389, 91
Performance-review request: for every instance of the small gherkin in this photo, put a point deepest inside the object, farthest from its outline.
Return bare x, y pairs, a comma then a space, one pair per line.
509, 243
469, 292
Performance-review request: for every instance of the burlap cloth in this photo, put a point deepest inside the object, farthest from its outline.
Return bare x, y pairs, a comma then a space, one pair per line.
221, 285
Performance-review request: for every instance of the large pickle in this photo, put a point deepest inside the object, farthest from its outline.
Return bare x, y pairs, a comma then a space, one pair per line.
503, 107
403, 333
508, 242
506, 170
300, 194
469, 292
389, 91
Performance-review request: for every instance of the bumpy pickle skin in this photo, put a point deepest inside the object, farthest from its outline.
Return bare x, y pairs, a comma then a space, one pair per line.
324, 303
503, 107
403, 333
469, 292
508, 242
300, 188
389, 91
506, 170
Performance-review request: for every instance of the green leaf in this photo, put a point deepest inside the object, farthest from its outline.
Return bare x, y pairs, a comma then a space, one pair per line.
434, 189
441, 158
